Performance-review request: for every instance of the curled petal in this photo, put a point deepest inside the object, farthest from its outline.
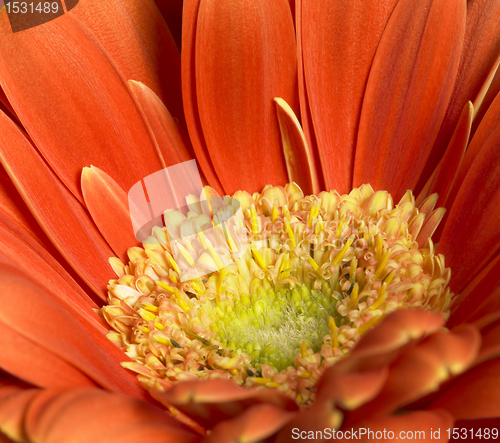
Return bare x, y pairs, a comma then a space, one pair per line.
298, 156
351, 390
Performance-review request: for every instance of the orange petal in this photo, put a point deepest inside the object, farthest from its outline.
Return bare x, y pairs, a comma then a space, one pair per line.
430, 225
189, 25
14, 402
421, 370
254, 424
63, 219
305, 111
490, 343
83, 415
424, 426
449, 166
136, 37
351, 390
36, 365
213, 401
383, 344
408, 89
28, 258
107, 203
236, 110
80, 111
473, 395
479, 54
163, 125
299, 158
45, 323
473, 218
16, 216
338, 44
469, 305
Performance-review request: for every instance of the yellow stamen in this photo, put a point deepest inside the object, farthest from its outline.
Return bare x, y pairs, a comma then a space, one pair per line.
343, 251
333, 332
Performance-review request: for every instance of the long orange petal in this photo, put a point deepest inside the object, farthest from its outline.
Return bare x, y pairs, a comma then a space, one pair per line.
163, 125
408, 89
136, 37
448, 167
338, 43
61, 216
107, 203
189, 31
236, 109
45, 323
474, 395
298, 156
479, 53
32, 260
305, 111
473, 220
490, 342
35, 364
75, 114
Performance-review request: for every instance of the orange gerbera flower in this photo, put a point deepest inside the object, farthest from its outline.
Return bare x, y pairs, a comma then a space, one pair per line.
318, 117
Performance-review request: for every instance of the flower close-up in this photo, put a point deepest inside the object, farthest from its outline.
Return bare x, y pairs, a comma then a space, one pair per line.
249, 220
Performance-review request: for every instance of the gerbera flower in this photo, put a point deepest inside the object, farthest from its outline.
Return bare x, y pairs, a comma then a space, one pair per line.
318, 117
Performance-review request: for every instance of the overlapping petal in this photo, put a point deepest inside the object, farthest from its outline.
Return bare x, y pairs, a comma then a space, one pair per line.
408, 89
136, 37
76, 116
82, 245
49, 416
48, 325
337, 57
478, 234
228, 41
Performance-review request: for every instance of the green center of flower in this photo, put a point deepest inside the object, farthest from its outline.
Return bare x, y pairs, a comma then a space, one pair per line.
319, 271
270, 325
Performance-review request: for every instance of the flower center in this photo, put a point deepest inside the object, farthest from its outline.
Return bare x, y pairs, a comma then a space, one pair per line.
270, 325
318, 272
